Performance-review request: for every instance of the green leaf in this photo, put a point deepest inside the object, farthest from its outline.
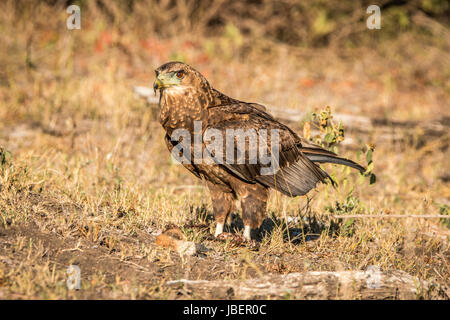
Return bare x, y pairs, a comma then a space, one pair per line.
328, 137
349, 222
361, 179
369, 156
369, 167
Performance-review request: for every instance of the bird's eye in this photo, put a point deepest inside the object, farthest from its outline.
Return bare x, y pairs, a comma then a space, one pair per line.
180, 74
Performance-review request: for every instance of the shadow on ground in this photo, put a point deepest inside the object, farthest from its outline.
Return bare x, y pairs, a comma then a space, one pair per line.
296, 228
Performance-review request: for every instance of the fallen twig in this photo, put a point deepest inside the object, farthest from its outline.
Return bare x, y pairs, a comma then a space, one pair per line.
425, 216
370, 284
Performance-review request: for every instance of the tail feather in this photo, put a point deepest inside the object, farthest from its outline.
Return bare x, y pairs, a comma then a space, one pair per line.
324, 156
299, 177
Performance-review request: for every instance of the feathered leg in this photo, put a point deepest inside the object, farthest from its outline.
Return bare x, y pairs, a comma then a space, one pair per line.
223, 204
254, 204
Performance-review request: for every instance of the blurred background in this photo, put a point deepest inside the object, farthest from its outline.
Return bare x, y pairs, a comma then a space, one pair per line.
288, 53
79, 148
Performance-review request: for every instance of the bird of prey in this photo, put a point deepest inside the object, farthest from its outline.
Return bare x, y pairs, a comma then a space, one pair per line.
188, 100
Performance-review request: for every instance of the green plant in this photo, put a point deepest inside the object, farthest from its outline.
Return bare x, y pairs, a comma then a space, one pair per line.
5, 158
444, 210
331, 134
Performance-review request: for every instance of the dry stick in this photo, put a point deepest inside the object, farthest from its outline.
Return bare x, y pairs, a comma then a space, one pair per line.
425, 216
387, 284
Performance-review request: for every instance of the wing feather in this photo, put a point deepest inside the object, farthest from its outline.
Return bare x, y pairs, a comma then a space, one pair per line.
296, 175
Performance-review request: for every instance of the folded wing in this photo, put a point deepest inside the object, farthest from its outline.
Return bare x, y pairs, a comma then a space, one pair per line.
293, 173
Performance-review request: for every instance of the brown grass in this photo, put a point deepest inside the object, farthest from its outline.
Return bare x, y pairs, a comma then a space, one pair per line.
90, 181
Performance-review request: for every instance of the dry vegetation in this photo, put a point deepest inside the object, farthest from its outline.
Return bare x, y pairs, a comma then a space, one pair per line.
85, 177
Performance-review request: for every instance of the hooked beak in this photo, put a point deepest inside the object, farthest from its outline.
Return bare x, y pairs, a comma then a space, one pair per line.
157, 85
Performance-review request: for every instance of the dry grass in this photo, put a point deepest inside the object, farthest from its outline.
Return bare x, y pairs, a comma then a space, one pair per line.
90, 181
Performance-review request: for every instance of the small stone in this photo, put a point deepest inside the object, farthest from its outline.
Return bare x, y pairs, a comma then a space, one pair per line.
186, 248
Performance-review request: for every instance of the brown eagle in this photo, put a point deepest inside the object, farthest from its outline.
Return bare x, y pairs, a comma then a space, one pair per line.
188, 103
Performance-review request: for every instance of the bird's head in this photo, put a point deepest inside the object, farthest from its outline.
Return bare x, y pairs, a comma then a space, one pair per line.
177, 75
